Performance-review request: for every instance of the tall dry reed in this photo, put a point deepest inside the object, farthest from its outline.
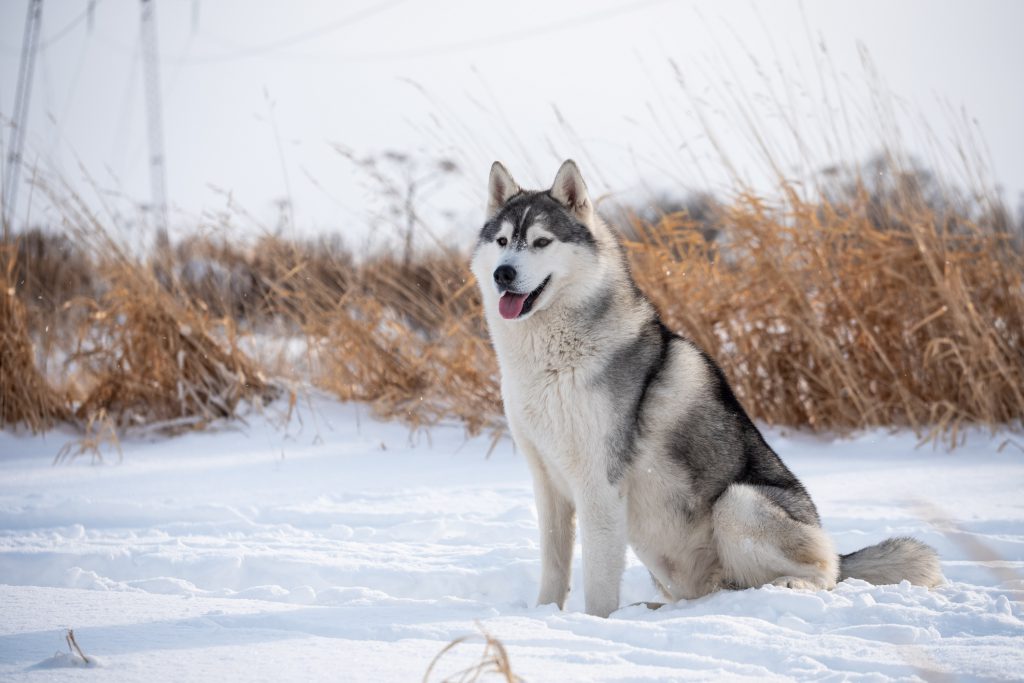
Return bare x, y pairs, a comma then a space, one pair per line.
25, 395
821, 317
849, 310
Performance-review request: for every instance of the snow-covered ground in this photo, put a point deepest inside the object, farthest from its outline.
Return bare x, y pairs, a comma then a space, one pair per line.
341, 548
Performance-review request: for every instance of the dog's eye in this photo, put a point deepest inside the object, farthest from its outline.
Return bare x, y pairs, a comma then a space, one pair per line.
541, 242
502, 241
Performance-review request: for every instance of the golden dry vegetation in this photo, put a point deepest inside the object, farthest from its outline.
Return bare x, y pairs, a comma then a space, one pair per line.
862, 309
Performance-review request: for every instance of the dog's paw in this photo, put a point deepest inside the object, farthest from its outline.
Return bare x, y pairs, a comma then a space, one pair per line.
796, 583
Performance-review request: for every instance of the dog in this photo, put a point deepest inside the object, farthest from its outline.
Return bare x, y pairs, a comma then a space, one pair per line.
633, 429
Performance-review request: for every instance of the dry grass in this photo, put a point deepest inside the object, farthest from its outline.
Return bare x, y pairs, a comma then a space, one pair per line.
153, 359
410, 341
25, 396
830, 315
268, 279
848, 310
135, 349
823, 318
493, 660
73, 646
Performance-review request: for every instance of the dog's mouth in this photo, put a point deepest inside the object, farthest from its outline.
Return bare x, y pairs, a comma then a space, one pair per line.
513, 305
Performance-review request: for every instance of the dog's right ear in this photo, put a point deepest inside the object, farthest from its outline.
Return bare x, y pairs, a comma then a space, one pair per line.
500, 188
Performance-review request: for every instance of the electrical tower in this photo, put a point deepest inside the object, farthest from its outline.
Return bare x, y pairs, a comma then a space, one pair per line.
151, 74
22, 95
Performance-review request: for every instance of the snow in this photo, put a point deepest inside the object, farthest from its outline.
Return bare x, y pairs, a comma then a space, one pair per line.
336, 547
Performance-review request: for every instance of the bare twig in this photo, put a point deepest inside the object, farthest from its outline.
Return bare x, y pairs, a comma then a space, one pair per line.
493, 659
73, 646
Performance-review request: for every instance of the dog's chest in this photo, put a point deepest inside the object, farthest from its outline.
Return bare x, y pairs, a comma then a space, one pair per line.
553, 399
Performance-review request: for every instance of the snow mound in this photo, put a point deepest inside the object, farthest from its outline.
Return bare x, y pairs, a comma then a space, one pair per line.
66, 660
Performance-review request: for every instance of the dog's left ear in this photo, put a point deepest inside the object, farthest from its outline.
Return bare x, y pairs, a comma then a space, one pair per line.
569, 190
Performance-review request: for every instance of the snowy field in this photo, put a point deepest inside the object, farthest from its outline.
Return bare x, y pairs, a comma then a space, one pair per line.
340, 548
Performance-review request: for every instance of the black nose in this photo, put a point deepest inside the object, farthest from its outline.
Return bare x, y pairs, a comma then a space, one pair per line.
505, 275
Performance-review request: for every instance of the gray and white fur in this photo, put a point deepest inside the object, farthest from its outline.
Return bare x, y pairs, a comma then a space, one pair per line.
632, 429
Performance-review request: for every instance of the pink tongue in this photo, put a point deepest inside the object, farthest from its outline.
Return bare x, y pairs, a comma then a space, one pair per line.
511, 305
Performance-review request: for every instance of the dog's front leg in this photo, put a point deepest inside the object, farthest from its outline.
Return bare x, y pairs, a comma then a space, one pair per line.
557, 526
602, 516
555, 518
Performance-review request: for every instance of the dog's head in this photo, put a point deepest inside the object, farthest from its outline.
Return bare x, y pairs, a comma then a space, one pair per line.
536, 248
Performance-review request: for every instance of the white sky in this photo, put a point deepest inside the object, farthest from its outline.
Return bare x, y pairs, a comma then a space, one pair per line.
475, 81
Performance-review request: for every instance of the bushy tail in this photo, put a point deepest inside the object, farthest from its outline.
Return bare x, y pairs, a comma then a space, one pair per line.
892, 561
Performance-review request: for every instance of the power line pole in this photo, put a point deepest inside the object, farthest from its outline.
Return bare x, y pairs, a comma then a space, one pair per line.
22, 95
151, 74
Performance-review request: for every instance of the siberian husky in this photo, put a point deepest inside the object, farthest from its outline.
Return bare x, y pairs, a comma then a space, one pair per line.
633, 429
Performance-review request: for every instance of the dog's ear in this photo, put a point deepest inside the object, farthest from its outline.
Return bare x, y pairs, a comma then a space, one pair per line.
500, 188
569, 190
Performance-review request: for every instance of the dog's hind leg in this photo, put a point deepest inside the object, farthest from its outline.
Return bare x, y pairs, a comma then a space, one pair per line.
759, 542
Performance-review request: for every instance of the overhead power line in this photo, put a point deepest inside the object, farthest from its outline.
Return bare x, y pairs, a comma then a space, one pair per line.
297, 38
86, 15
516, 35
526, 33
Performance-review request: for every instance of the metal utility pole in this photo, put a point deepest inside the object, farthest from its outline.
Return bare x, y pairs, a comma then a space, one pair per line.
22, 95
151, 75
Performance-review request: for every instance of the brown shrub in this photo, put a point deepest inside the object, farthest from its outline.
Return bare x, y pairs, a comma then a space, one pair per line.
410, 341
25, 396
858, 310
822, 318
51, 270
153, 359
271, 278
